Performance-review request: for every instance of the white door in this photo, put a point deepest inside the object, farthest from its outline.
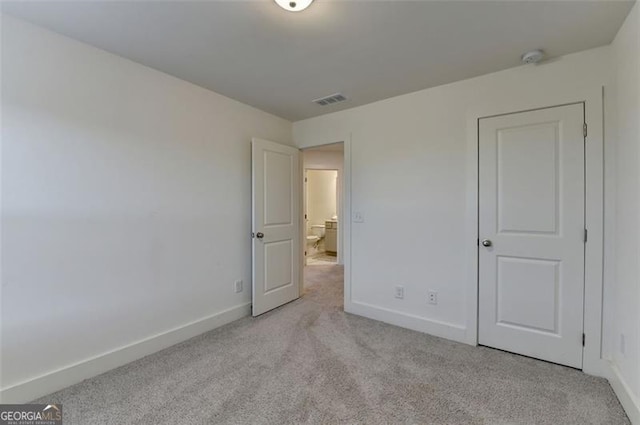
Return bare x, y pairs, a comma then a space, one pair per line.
276, 230
531, 230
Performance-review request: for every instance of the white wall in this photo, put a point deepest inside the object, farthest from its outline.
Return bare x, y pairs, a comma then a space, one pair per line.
126, 207
410, 177
623, 294
322, 159
322, 196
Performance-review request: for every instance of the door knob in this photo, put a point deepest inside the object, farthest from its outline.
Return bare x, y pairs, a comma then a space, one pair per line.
486, 242
259, 235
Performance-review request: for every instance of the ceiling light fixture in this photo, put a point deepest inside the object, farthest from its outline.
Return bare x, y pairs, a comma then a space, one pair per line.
294, 5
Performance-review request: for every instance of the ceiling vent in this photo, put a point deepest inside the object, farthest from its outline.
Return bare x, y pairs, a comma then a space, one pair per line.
330, 100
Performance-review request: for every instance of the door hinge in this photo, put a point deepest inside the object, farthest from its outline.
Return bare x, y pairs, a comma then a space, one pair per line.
478, 242
583, 339
586, 235
305, 179
584, 129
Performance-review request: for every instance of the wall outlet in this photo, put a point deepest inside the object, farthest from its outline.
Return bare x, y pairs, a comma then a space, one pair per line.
622, 344
432, 296
358, 217
399, 292
237, 286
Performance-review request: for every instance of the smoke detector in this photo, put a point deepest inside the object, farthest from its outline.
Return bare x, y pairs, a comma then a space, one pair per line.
533, 56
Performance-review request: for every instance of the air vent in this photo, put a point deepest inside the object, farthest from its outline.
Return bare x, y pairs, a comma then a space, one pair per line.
330, 100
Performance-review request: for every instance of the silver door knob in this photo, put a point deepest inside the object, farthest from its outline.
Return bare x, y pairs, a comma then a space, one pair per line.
259, 235
486, 242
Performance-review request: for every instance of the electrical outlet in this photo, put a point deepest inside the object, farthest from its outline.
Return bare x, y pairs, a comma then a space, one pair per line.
399, 292
358, 217
238, 286
432, 297
622, 344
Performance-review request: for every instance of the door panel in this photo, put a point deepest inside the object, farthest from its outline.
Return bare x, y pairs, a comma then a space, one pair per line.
528, 178
278, 195
528, 292
278, 271
276, 207
531, 208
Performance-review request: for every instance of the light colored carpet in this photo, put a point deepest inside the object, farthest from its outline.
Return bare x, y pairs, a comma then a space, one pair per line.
322, 258
309, 362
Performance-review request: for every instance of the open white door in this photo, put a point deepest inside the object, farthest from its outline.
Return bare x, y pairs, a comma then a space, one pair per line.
276, 230
532, 235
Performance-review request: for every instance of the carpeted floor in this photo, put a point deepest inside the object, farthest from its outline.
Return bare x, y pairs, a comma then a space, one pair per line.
322, 258
309, 362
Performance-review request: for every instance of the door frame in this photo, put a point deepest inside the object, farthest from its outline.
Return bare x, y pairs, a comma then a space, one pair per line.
344, 228
574, 355
593, 98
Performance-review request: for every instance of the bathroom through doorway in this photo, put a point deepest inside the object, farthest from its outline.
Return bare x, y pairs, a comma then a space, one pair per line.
322, 210
321, 216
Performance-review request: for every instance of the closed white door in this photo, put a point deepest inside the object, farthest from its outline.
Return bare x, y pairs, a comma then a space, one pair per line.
532, 235
276, 231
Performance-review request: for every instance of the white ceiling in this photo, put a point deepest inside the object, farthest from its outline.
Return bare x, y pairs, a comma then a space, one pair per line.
278, 61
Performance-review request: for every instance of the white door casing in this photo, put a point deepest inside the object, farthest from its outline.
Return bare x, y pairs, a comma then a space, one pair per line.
276, 217
531, 209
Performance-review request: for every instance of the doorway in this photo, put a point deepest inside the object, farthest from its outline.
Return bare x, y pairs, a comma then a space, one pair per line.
532, 233
279, 235
322, 215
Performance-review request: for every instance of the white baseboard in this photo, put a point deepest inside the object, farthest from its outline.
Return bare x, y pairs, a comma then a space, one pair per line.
34, 388
409, 321
629, 401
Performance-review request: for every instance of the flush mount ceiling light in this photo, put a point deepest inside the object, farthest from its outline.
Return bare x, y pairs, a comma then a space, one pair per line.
294, 5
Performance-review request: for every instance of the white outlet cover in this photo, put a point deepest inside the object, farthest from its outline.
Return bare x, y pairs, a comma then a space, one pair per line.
432, 297
399, 292
237, 286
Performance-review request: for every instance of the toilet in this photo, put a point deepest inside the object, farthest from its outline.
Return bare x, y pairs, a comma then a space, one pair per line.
317, 233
